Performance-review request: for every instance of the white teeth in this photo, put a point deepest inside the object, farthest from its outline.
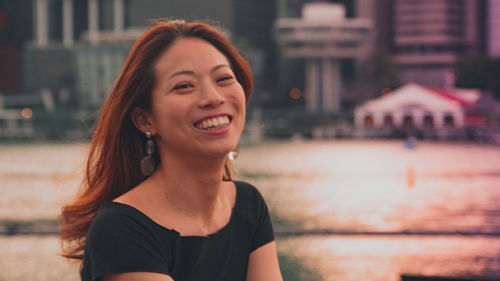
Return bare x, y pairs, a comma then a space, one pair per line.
214, 123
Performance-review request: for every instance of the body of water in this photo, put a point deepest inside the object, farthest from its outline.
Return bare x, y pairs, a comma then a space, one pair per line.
380, 185
344, 186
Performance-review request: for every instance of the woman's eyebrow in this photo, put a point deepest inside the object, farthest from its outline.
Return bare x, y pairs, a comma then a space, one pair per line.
190, 72
215, 68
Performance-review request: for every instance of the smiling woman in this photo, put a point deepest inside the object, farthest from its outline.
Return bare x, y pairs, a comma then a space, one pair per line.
158, 201
195, 88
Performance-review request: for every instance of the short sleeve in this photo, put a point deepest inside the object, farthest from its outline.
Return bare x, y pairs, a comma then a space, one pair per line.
120, 243
264, 230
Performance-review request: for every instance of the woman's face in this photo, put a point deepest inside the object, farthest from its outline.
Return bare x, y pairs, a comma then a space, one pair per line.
198, 106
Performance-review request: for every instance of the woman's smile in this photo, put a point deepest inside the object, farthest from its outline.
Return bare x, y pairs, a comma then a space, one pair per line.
214, 126
214, 122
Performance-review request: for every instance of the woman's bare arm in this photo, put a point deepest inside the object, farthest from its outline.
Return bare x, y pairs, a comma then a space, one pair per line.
137, 276
263, 264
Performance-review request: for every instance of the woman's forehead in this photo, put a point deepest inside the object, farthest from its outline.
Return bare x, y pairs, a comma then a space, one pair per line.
191, 54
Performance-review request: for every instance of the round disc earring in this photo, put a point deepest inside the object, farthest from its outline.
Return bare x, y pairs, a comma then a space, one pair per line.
148, 164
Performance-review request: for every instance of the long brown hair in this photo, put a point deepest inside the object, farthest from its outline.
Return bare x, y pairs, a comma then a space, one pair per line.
117, 145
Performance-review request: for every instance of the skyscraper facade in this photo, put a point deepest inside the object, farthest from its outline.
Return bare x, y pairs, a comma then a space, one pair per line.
430, 36
493, 28
15, 28
380, 12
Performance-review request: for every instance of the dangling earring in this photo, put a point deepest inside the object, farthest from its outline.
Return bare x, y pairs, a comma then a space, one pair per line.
148, 162
233, 154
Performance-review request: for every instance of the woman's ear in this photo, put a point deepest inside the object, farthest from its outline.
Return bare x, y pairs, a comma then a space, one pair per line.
142, 120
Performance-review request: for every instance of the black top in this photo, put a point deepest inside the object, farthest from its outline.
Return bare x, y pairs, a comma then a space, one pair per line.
123, 239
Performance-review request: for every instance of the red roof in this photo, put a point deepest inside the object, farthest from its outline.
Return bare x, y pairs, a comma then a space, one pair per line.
449, 95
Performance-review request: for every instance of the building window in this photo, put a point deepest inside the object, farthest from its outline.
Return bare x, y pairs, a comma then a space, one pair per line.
449, 121
408, 121
428, 122
369, 122
388, 121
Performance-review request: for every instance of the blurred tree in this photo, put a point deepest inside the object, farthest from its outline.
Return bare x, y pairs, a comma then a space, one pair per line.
480, 72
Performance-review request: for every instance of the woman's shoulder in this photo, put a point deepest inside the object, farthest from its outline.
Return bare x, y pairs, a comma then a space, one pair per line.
114, 211
113, 218
249, 200
120, 240
245, 189
109, 217
253, 210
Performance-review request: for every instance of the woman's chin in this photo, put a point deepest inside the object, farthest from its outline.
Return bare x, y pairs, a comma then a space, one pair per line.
219, 152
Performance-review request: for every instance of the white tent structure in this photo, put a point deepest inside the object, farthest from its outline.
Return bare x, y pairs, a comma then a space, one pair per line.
418, 107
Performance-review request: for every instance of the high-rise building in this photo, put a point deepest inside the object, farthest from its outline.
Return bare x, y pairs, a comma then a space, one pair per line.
323, 36
493, 28
293, 69
15, 29
380, 13
430, 36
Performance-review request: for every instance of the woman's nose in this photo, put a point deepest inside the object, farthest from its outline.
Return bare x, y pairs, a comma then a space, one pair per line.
211, 96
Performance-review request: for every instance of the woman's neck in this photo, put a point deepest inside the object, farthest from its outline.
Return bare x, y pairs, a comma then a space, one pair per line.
192, 187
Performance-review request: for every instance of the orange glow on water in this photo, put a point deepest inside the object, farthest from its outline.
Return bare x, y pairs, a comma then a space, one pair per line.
410, 177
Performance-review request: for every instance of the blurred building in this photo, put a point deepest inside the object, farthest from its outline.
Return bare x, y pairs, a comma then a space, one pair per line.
493, 28
323, 36
380, 13
427, 112
15, 29
415, 105
292, 69
80, 46
59, 58
429, 36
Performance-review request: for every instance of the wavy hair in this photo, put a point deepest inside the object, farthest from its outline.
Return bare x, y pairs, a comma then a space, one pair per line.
116, 147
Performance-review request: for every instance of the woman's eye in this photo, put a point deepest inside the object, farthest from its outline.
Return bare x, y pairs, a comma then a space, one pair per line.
183, 86
225, 78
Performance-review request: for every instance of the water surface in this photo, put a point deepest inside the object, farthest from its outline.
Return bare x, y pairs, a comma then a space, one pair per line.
340, 185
